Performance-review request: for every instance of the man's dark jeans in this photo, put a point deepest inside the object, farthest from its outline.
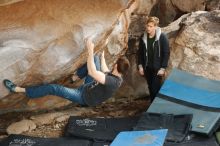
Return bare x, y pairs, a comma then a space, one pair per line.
153, 81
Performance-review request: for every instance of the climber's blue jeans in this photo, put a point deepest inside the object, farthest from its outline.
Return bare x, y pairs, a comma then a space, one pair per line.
74, 95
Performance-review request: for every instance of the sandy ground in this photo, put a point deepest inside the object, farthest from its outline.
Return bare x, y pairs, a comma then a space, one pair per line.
120, 108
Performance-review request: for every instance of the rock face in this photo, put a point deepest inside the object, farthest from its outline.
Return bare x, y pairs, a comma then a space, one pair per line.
8, 2
170, 10
21, 126
196, 48
43, 41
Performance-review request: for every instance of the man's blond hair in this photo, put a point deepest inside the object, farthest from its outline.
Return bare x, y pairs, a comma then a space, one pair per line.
154, 20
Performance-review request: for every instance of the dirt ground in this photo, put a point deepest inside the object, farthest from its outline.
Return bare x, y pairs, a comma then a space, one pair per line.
120, 108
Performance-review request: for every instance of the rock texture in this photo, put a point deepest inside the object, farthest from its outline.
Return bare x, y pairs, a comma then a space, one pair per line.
8, 2
170, 10
196, 48
43, 41
21, 126
213, 5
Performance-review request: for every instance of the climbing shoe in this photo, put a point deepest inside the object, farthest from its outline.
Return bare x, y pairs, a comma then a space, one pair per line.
9, 85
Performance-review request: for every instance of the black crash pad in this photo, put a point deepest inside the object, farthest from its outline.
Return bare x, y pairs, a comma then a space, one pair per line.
101, 129
21, 140
178, 125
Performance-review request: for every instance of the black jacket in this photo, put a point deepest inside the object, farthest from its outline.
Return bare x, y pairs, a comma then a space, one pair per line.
161, 51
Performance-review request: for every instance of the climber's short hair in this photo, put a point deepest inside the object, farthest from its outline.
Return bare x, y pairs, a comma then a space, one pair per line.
123, 65
154, 20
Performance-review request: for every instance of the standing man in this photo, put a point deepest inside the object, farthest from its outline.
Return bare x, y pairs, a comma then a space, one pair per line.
100, 83
153, 55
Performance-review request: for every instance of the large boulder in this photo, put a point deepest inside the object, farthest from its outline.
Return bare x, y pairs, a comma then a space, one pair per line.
196, 47
43, 41
21, 126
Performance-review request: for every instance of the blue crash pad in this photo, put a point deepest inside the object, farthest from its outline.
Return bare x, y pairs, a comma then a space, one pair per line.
184, 93
140, 138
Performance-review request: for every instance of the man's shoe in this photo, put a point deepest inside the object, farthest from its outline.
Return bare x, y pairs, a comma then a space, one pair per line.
9, 85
